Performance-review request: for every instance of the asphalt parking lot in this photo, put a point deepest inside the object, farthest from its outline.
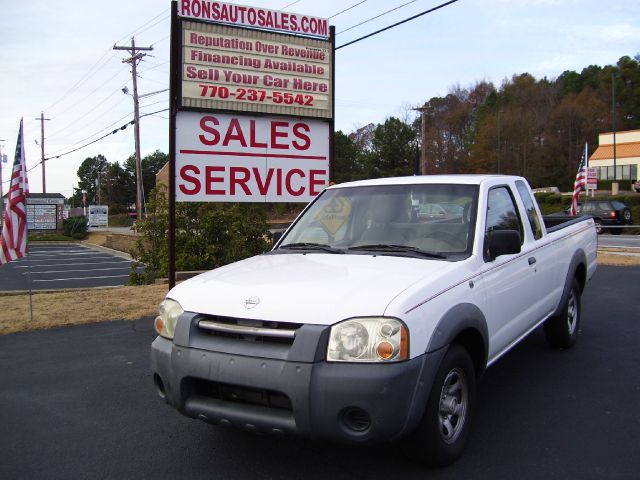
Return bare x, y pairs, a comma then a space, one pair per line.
78, 402
62, 266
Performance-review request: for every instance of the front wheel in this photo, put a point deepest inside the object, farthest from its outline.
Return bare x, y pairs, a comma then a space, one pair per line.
561, 331
441, 436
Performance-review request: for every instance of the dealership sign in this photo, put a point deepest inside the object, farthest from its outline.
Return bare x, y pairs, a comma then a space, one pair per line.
254, 17
241, 158
251, 106
229, 68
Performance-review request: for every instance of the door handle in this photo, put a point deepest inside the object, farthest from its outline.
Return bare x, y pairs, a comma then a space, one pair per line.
532, 260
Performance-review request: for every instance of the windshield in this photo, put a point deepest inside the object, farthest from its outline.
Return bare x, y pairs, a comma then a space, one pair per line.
421, 220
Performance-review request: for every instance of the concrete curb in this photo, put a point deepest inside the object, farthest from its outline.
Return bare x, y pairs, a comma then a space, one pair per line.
116, 253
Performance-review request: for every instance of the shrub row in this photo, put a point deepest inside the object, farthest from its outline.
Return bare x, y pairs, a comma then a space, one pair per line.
208, 235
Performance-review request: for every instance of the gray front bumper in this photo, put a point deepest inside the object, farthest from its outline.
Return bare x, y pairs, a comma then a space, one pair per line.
320, 395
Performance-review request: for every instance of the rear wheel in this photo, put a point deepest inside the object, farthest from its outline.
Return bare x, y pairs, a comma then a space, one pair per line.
441, 436
561, 331
598, 224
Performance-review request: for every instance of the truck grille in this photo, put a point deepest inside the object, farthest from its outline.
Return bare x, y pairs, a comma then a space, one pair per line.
237, 394
250, 330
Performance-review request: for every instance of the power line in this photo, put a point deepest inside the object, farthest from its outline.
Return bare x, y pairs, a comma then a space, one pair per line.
97, 133
151, 26
398, 23
143, 25
132, 122
81, 101
90, 111
84, 78
91, 72
377, 16
348, 8
292, 3
123, 127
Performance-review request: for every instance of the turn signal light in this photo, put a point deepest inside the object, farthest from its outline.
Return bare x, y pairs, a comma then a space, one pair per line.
159, 324
385, 350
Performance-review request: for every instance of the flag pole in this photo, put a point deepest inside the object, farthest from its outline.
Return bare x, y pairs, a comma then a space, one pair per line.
14, 237
29, 275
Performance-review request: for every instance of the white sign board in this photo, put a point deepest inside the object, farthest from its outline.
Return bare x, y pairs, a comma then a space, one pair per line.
242, 158
41, 216
592, 178
238, 69
98, 216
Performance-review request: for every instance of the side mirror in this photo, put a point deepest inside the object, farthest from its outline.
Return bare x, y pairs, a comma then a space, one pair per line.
501, 242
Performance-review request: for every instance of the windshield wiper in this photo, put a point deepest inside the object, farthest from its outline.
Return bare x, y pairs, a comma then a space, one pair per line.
391, 248
311, 246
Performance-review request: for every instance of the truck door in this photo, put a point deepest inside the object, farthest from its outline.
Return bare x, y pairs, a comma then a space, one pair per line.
548, 285
509, 280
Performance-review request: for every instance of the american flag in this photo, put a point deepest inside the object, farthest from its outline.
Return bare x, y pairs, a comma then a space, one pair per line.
13, 242
579, 183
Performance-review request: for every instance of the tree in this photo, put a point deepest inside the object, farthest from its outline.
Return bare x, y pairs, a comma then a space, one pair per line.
150, 166
394, 147
91, 171
117, 190
347, 165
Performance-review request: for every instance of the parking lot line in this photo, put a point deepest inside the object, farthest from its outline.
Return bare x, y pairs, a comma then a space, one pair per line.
80, 278
78, 257
74, 264
36, 272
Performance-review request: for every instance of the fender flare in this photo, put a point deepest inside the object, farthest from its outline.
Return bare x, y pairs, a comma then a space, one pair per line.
462, 317
579, 258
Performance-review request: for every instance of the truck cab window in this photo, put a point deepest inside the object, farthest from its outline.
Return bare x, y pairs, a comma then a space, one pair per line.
532, 214
502, 213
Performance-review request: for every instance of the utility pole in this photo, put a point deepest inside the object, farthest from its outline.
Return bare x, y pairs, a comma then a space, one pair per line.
423, 144
44, 179
133, 60
614, 184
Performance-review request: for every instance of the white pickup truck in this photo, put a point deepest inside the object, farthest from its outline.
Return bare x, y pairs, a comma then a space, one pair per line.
375, 313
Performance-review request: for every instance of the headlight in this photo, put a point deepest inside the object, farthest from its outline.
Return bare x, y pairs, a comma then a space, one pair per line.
165, 322
375, 339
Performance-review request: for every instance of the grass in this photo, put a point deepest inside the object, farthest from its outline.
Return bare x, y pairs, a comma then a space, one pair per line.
50, 237
74, 307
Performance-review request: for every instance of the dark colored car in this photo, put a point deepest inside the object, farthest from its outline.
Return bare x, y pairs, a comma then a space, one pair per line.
607, 213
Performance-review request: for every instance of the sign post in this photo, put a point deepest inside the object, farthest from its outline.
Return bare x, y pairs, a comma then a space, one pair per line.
252, 102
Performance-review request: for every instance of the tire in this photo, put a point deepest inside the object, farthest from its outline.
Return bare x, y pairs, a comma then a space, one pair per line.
598, 225
561, 331
440, 437
626, 215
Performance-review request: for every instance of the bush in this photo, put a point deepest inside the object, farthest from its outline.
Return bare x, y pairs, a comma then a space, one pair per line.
208, 235
75, 227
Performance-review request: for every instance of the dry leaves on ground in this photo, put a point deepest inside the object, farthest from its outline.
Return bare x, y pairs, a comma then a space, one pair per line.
74, 307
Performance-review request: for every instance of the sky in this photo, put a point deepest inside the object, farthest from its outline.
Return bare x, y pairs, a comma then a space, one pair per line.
57, 58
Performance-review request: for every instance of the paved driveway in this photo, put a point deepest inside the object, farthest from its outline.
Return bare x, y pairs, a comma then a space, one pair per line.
57, 266
78, 402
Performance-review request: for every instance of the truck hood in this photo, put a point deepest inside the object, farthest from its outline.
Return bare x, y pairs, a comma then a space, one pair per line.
305, 288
